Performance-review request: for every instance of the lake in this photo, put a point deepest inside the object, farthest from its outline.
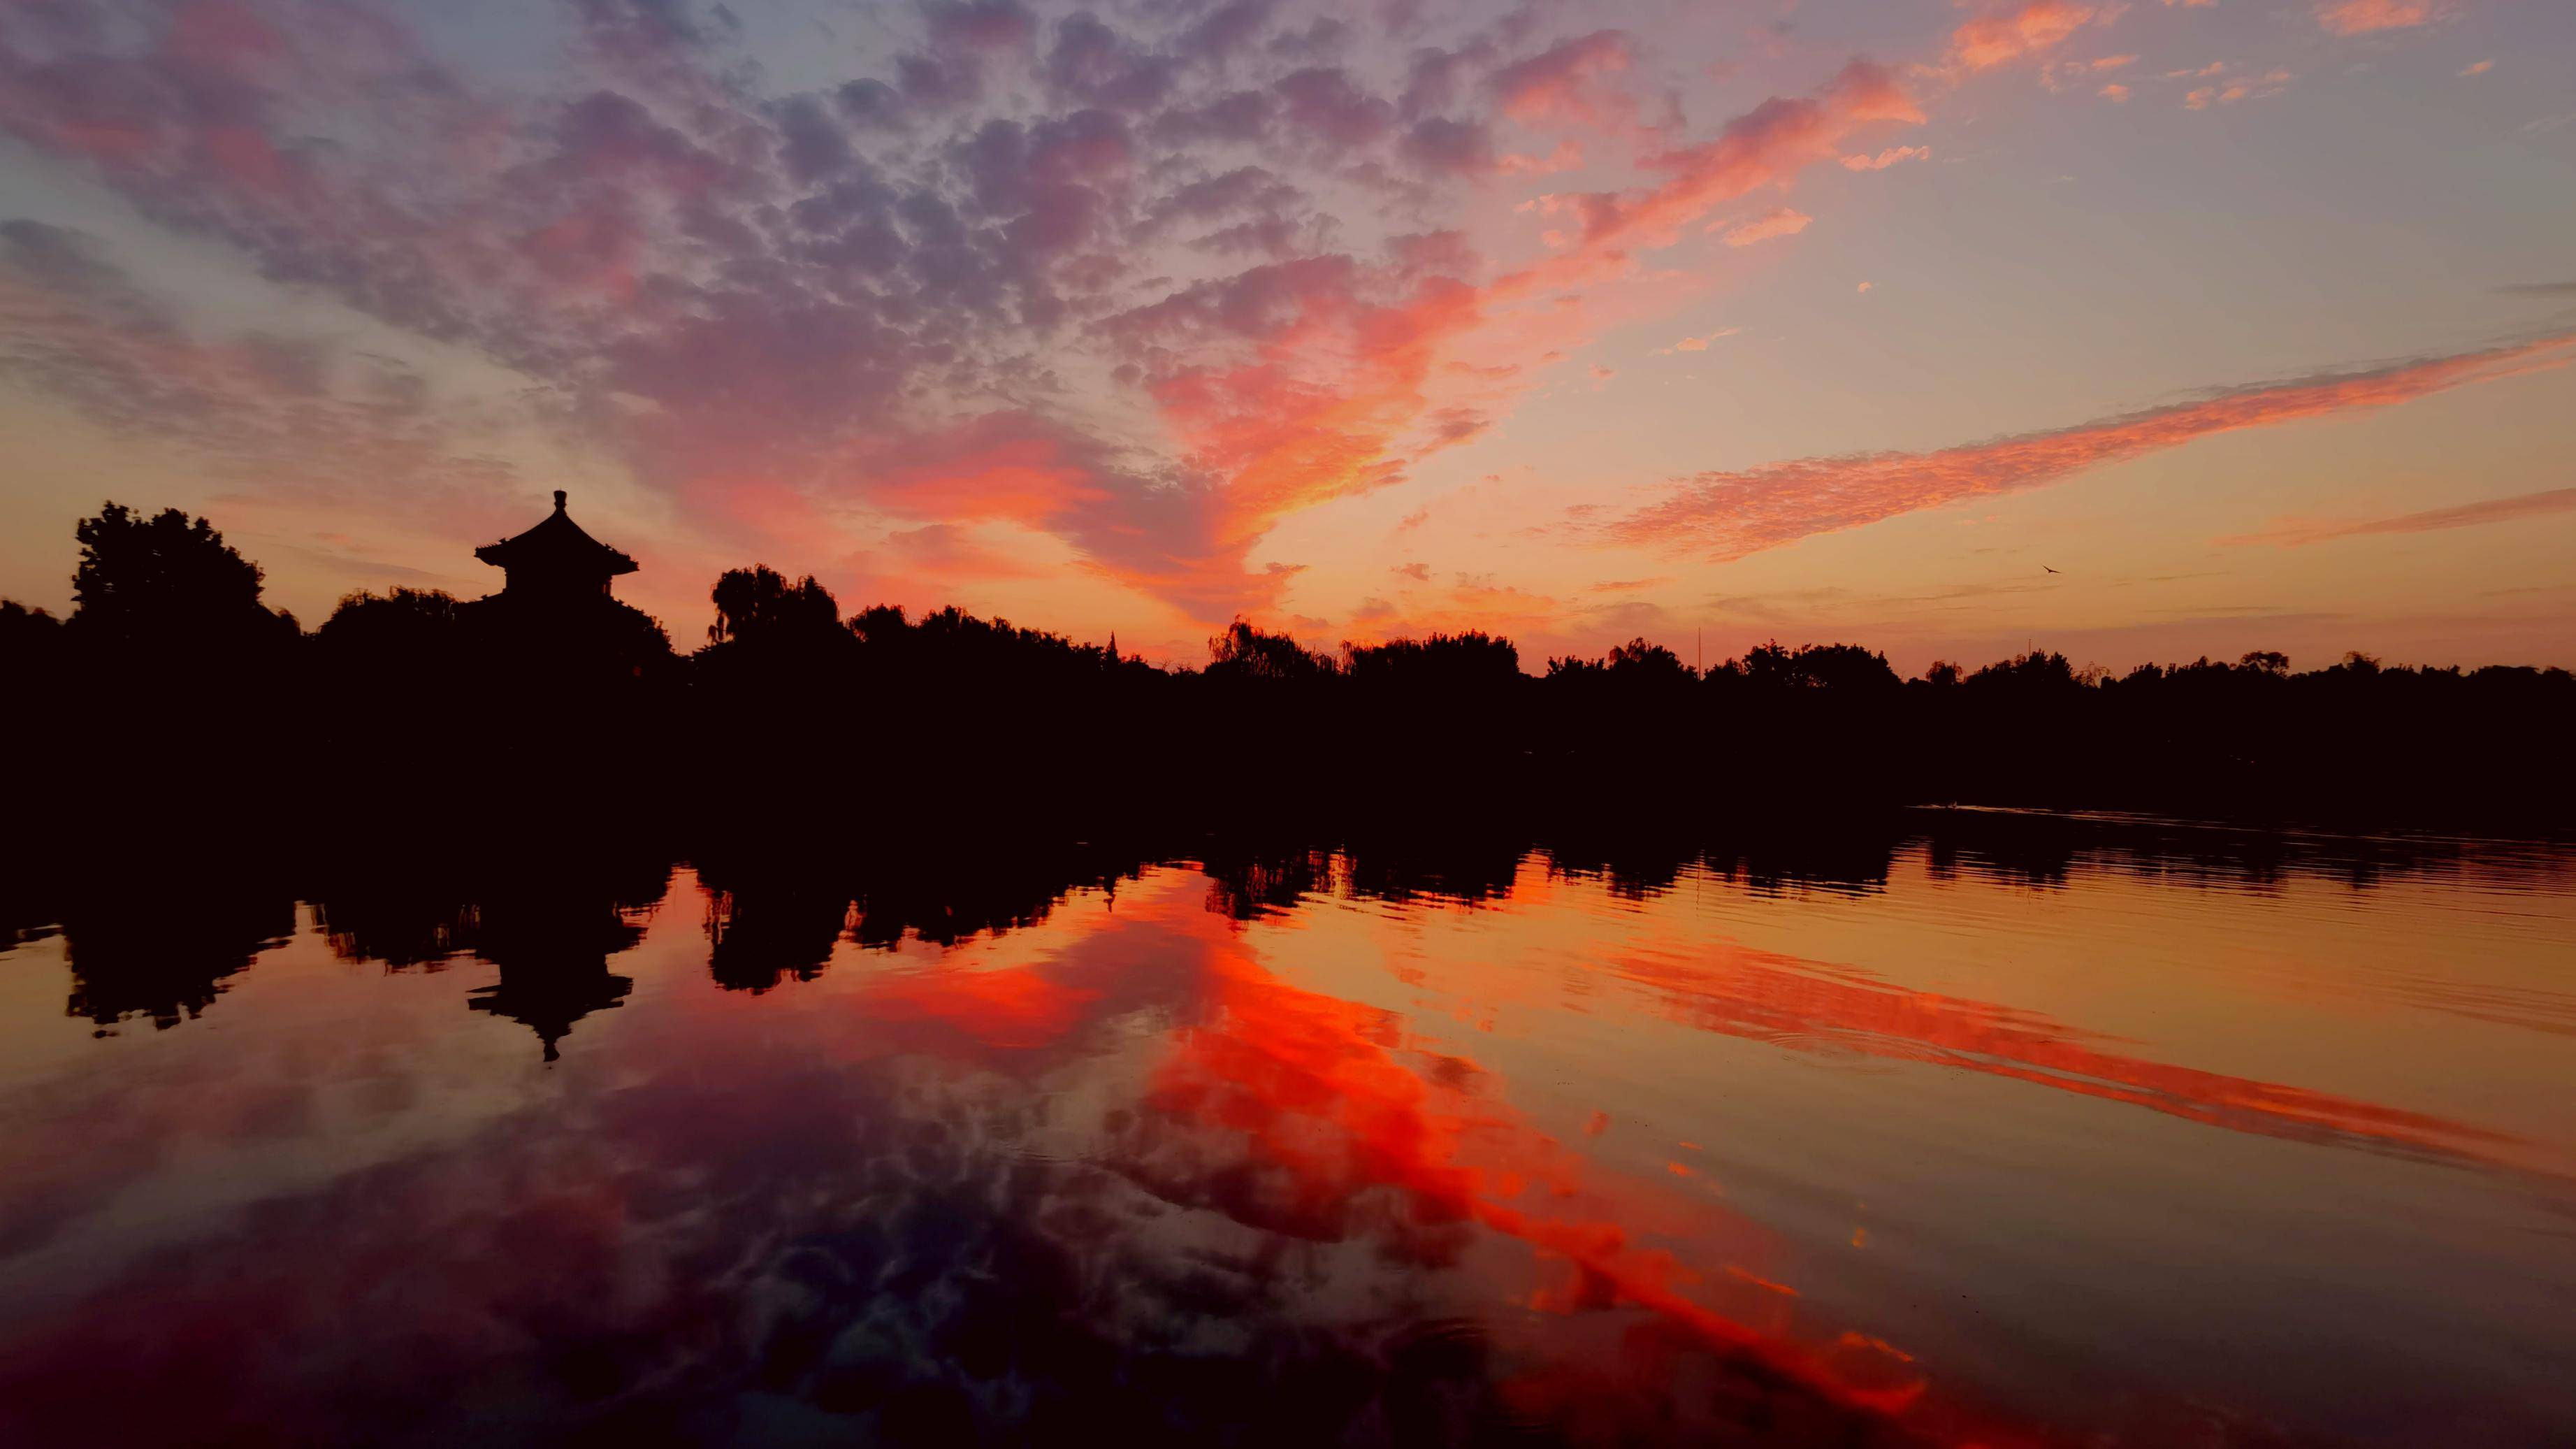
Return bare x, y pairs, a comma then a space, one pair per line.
1968, 1128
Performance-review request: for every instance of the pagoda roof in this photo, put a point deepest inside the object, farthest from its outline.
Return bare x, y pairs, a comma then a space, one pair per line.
558, 545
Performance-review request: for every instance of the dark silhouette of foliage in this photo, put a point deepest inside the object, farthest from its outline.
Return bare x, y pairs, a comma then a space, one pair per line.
165, 581
163, 606
758, 607
1243, 652
31, 649
951, 712
404, 649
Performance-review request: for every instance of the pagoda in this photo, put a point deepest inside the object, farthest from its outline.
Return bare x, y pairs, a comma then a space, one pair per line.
554, 562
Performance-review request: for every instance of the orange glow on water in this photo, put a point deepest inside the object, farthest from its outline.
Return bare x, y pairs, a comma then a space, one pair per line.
1315, 1089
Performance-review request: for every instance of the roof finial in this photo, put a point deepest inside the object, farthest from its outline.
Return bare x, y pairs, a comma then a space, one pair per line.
559, 500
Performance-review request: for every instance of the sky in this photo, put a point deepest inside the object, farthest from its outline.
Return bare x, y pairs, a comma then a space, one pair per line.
2137, 330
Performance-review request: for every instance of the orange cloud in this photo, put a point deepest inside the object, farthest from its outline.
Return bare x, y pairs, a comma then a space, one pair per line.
1697, 344
2004, 36
1728, 515
2294, 533
2361, 17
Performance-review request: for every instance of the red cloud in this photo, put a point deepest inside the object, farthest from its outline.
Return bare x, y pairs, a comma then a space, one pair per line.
1728, 515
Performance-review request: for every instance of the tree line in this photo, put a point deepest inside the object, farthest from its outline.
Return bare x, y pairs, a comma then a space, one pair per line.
171, 662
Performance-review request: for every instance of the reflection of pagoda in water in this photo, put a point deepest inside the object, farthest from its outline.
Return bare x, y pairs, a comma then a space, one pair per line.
547, 907
553, 565
553, 952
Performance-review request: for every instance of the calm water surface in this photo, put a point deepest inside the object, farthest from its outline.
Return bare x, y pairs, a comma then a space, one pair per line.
1990, 1130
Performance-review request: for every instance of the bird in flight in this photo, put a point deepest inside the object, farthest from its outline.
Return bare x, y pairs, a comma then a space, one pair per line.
2044, 566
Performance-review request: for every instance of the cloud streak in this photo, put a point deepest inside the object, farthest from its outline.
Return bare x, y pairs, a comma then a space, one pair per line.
1726, 515
2296, 533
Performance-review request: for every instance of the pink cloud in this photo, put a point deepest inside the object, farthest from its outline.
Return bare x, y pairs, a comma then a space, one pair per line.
1569, 82
1766, 146
2361, 17
2295, 533
2003, 36
2236, 88
1731, 514
1884, 159
1783, 221
791, 315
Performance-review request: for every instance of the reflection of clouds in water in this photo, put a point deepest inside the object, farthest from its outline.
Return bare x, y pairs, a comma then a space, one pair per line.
1809, 1006
808, 1216
1086, 1170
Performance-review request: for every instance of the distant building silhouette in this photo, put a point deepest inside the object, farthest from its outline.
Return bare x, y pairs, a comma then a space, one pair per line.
554, 637
554, 562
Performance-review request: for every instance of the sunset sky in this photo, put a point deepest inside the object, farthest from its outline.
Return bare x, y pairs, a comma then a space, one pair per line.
1831, 320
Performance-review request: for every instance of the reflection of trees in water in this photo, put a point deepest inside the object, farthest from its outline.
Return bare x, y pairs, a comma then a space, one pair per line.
1464, 866
1248, 880
761, 935
156, 934
778, 903
394, 921
154, 921
162, 945
1256, 877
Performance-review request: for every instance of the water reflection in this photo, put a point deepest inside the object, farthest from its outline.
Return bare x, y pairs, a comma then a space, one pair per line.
548, 920
1430, 1137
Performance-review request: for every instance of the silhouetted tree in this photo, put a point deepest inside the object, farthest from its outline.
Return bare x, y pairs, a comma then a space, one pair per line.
31, 648
402, 649
757, 606
169, 647
167, 583
1243, 652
